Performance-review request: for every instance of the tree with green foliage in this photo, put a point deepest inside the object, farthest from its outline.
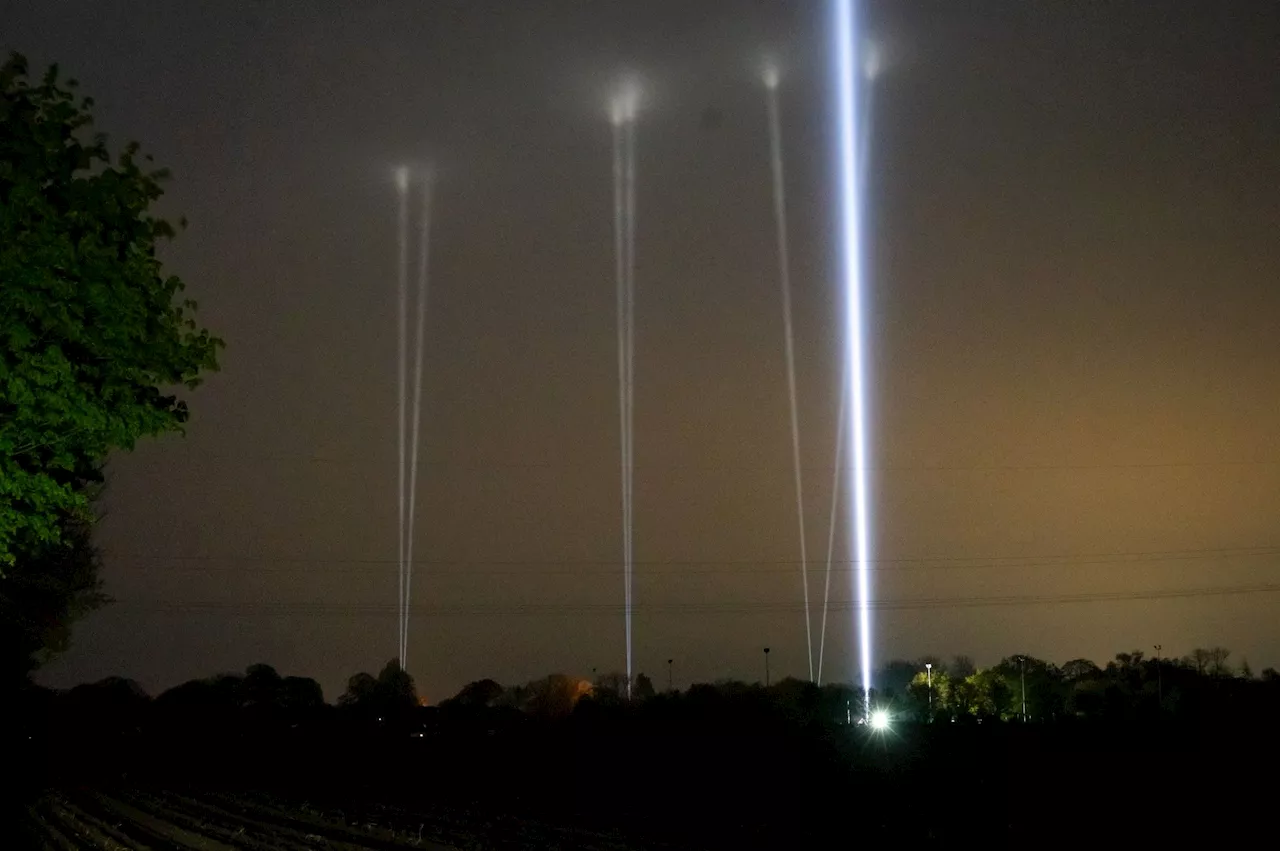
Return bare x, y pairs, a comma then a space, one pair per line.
1041, 682
94, 336
991, 695
965, 694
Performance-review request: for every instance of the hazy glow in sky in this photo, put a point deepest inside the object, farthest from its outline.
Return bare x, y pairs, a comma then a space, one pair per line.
1070, 379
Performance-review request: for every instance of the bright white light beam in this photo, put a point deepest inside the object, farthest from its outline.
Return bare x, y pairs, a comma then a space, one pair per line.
848, 72
871, 68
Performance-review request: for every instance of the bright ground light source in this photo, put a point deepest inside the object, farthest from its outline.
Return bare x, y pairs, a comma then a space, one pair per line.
879, 720
850, 237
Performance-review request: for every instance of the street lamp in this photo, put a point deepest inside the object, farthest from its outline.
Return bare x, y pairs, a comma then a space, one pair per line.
1022, 670
928, 672
766, 667
669, 688
1159, 677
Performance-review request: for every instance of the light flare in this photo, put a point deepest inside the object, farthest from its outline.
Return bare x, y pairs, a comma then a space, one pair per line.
879, 720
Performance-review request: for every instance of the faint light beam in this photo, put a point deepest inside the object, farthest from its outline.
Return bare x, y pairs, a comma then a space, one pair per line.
771, 79
831, 527
623, 116
402, 290
421, 310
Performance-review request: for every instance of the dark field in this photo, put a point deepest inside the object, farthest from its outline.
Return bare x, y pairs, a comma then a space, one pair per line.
739, 773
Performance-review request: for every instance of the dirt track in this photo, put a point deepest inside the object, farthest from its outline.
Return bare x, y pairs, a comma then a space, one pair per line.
166, 821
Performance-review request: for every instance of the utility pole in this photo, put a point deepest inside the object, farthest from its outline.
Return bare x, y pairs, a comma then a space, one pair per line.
1159, 677
1022, 669
928, 672
766, 667
669, 687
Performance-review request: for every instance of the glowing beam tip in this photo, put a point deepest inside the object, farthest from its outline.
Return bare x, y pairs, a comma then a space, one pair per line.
402, 178
771, 75
625, 103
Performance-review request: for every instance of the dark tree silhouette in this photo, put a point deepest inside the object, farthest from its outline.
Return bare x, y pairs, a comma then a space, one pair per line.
1079, 669
261, 686
390, 695
300, 695
896, 675
610, 687
362, 690
481, 694
555, 696
41, 595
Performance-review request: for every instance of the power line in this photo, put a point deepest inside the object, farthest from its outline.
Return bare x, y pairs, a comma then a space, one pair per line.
481, 464
742, 608
688, 567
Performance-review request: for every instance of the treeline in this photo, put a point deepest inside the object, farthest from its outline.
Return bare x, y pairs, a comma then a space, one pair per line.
1131, 687
736, 763
1020, 688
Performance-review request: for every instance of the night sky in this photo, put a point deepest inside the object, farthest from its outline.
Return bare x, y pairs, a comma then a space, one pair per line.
1076, 281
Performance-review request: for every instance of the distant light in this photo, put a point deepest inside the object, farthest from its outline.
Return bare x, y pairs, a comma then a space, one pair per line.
402, 178
880, 720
